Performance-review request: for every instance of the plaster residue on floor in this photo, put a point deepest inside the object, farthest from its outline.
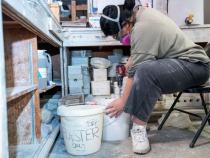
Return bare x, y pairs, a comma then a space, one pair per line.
167, 143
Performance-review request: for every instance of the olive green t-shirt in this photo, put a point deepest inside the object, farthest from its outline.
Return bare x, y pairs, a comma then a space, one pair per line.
155, 36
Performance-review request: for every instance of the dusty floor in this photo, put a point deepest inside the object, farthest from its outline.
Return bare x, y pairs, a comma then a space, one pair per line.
168, 143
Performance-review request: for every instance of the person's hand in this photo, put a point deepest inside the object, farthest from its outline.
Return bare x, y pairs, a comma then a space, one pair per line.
115, 108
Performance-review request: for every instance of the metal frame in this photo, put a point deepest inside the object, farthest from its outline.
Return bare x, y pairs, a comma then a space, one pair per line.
65, 71
204, 121
4, 150
62, 70
32, 101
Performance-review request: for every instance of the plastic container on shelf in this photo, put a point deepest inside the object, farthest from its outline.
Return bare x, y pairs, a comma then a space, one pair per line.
49, 70
42, 69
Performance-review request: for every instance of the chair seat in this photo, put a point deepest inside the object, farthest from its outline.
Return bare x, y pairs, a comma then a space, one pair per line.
205, 88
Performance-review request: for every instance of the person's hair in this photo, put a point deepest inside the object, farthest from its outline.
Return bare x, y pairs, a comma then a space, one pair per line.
126, 11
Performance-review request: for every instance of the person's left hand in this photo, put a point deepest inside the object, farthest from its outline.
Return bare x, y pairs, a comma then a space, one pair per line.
115, 108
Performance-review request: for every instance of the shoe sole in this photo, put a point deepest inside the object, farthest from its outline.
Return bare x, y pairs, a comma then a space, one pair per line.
144, 153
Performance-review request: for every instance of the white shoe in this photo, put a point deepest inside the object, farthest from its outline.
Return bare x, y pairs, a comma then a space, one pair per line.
139, 139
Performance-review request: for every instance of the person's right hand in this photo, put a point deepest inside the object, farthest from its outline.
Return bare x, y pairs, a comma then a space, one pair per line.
115, 108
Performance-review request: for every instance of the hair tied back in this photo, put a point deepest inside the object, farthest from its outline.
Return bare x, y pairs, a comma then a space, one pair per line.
129, 4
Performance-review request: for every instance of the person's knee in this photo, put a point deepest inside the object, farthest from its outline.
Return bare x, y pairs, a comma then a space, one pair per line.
143, 70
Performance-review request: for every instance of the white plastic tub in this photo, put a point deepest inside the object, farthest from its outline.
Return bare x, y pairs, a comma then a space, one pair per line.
115, 129
82, 128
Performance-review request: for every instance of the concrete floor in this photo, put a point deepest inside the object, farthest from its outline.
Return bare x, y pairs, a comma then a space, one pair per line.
23, 151
168, 143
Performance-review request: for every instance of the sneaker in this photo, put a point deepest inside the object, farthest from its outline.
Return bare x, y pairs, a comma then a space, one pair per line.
139, 139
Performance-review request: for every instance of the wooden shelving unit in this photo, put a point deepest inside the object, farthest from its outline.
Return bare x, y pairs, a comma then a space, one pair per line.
15, 92
3, 110
21, 81
47, 89
75, 8
23, 31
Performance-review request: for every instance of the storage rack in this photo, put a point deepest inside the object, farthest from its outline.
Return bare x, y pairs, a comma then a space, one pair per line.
23, 32
91, 38
24, 15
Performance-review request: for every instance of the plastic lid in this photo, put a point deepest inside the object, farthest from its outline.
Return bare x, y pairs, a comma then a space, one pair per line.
80, 110
100, 63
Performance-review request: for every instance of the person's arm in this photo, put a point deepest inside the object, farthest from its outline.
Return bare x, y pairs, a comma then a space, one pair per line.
127, 89
129, 81
116, 107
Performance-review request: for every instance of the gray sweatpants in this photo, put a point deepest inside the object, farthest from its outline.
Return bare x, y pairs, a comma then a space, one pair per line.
165, 76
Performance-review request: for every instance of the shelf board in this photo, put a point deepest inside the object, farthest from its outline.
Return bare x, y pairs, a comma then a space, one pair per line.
47, 143
80, 7
25, 150
10, 23
15, 92
47, 89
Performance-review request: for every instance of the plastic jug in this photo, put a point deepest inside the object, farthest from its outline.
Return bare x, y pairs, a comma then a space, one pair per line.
49, 70
42, 69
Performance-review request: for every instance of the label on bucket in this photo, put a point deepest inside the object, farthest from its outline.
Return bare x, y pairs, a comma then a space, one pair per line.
42, 73
82, 135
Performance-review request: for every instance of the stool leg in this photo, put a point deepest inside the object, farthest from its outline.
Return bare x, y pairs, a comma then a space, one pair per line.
169, 111
192, 144
204, 106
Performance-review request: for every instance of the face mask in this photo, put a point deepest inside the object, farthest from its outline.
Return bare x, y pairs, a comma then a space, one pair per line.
126, 40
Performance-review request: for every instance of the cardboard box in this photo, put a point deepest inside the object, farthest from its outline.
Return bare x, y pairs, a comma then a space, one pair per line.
86, 80
73, 70
76, 83
83, 61
114, 58
75, 90
100, 74
75, 77
100, 87
86, 90
55, 8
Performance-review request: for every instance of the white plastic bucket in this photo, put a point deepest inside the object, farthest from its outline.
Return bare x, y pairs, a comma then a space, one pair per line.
115, 129
82, 128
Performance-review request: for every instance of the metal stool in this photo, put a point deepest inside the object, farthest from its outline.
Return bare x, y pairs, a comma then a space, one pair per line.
200, 90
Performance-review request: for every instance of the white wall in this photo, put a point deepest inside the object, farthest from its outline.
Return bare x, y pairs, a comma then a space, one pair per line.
100, 4
180, 9
206, 11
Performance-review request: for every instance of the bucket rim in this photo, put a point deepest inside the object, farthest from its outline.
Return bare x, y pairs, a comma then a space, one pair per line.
79, 110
